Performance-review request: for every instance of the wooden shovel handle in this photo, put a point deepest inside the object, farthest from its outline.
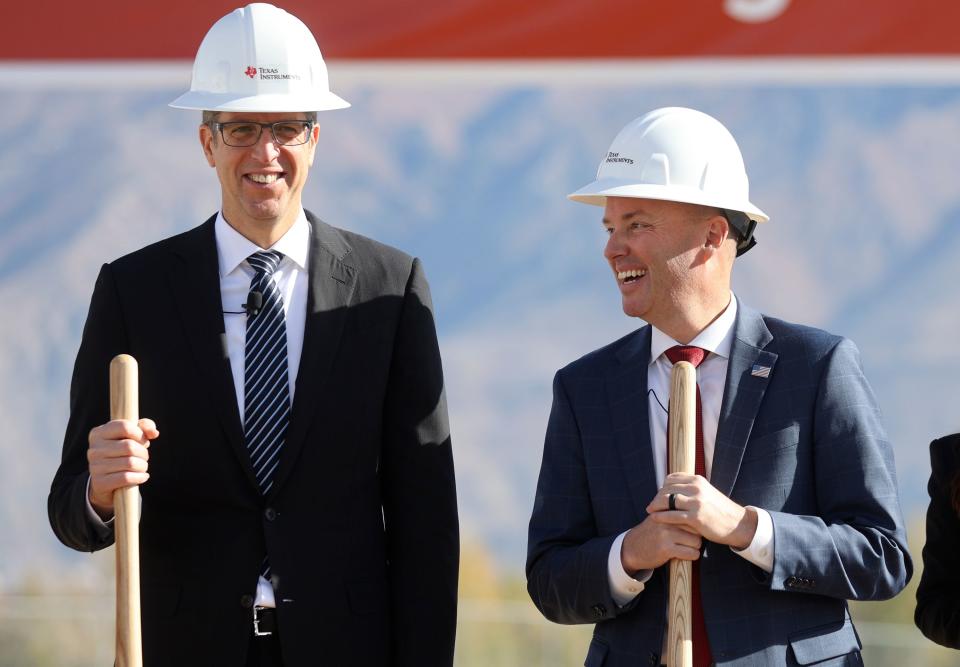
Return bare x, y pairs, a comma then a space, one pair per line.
682, 442
124, 404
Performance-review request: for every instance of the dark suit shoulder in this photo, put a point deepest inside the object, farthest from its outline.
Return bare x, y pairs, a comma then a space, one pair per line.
945, 454
378, 263
799, 339
791, 332
159, 251
345, 244
610, 354
369, 252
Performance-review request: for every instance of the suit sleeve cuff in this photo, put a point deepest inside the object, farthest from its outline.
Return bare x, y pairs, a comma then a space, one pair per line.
102, 527
760, 551
623, 587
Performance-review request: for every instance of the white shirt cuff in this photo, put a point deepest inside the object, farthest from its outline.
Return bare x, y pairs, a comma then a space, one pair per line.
623, 587
92, 513
760, 550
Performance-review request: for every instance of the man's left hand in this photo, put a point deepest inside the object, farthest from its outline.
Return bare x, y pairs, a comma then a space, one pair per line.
702, 508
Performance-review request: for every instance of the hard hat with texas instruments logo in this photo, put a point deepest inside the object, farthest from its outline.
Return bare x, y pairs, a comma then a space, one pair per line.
681, 155
259, 58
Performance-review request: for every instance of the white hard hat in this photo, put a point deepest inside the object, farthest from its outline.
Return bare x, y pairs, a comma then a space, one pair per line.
674, 154
261, 59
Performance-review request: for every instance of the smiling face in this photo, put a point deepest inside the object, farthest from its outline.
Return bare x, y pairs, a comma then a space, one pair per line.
671, 261
260, 184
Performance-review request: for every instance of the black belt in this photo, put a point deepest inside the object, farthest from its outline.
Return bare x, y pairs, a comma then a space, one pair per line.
264, 621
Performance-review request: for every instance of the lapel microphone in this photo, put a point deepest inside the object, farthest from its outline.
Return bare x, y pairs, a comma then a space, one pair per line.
254, 303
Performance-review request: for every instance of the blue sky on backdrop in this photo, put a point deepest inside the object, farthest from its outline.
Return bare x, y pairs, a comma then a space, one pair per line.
859, 180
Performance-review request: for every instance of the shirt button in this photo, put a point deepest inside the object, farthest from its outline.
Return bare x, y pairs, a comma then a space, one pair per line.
246, 601
270, 514
763, 553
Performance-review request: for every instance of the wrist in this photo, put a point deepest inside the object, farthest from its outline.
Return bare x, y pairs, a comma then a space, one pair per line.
103, 510
623, 555
746, 529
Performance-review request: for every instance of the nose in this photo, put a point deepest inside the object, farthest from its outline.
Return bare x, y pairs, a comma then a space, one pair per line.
614, 247
266, 149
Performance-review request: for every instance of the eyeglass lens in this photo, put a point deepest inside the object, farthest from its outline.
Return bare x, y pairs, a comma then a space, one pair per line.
285, 132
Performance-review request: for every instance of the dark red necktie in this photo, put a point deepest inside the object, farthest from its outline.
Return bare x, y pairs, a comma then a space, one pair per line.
702, 657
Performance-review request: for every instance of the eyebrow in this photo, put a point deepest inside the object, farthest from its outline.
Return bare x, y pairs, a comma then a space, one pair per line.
623, 218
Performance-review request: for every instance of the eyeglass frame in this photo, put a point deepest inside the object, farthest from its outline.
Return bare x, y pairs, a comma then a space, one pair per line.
219, 126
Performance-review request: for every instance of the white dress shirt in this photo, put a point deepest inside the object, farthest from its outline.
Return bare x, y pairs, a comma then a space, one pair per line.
717, 340
292, 279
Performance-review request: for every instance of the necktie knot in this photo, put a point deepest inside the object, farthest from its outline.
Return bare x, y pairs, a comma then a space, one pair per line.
265, 261
689, 353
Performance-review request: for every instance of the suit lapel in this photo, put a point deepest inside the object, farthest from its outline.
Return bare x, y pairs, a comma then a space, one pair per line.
194, 278
743, 395
627, 394
332, 281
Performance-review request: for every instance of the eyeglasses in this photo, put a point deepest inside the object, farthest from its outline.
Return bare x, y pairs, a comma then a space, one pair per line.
243, 133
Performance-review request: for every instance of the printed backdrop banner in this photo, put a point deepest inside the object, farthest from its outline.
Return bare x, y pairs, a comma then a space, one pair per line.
471, 29
471, 121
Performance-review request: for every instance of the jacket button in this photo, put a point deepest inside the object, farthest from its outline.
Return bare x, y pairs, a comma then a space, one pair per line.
270, 514
790, 582
246, 601
599, 610
653, 659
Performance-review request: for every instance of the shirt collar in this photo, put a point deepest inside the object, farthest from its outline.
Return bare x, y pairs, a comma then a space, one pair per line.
233, 248
716, 338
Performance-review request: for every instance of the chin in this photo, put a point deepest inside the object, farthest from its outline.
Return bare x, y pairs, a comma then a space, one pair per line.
263, 211
633, 310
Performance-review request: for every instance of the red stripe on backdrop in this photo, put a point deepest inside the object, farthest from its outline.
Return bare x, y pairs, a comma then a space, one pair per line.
121, 29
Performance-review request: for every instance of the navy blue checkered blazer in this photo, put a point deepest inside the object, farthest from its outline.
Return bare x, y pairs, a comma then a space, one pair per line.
805, 443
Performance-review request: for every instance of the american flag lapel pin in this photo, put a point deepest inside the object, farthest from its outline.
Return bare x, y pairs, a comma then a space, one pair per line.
759, 371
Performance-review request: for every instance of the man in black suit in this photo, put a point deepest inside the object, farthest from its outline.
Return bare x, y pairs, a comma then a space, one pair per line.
301, 504
938, 595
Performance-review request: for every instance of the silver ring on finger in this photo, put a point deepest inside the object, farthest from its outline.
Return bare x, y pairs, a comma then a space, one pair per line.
672, 501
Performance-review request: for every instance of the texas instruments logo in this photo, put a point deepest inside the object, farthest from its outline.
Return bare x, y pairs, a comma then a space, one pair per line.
616, 157
265, 72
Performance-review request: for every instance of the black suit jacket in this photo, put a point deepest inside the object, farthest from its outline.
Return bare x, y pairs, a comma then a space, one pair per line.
361, 522
938, 595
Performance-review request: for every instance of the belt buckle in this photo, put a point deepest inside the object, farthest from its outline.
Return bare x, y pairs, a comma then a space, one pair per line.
257, 620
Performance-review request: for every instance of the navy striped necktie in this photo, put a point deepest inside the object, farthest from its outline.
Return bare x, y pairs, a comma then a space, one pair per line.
266, 381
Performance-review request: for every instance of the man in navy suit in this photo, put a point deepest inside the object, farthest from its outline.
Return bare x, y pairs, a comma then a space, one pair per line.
794, 508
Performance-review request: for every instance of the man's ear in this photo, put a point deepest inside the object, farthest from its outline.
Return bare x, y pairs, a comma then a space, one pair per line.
207, 137
312, 144
718, 231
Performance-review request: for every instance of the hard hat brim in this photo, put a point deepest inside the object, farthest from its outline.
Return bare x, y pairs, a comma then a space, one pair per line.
596, 194
279, 103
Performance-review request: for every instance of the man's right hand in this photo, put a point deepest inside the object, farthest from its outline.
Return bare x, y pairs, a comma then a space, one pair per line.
649, 545
117, 457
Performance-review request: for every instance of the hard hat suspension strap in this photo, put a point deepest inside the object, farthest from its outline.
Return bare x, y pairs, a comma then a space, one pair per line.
744, 226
